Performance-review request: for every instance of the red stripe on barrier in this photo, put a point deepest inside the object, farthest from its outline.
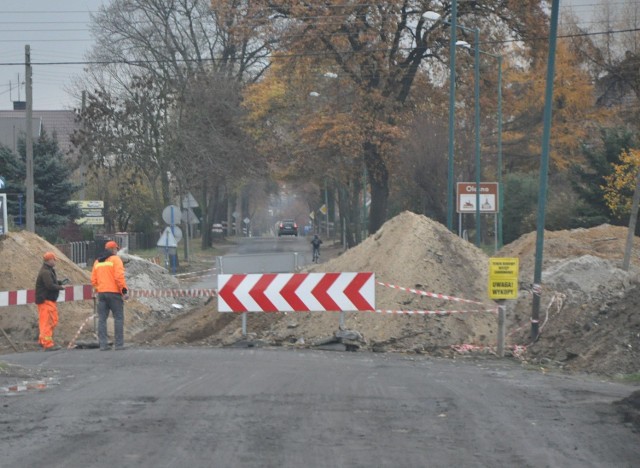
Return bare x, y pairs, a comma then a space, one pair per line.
353, 291
68, 294
227, 293
258, 295
288, 293
321, 293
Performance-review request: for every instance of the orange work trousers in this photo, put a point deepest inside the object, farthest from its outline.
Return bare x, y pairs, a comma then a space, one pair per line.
48, 319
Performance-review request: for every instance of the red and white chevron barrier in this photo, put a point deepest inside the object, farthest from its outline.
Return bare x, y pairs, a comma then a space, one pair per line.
296, 292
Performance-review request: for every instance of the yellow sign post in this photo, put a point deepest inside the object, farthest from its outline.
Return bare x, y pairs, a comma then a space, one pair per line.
503, 284
503, 278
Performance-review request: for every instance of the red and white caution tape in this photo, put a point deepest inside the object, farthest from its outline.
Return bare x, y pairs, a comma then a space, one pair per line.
36, 385
433, 312
72, 343
196, 273
173, 293
429, 294
85, 293
28, 296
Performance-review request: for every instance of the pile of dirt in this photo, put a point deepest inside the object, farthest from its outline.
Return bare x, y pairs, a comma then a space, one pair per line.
589, 318
21, 253
589, 315
409, 251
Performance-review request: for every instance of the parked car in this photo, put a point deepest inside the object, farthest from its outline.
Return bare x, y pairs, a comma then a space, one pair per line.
287, 227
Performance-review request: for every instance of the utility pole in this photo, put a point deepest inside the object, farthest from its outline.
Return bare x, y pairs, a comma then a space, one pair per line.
544, 172
31, 224
83, 165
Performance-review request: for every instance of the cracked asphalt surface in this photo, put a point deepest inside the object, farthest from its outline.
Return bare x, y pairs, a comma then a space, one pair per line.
203, 407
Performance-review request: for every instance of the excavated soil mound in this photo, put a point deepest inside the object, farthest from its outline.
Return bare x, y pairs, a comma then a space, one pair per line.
588, 314
410, 251
589, 317
21, 254
589, 307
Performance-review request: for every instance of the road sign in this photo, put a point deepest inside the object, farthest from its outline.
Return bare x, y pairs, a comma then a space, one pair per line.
488, 197
95, 221
92, 212
189, 202
246, 220
296, 292
177, 233
503, 278
4, 223
323, 209
171, 214
167, 239
190, 217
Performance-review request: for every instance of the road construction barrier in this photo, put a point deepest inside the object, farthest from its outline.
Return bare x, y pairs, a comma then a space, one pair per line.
85, 293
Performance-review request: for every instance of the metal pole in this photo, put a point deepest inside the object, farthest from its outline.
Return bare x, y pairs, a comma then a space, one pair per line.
20, 209
326, 206
452, 113
544, 169
364, 203
477, 129
500, 199
31, 222
632, 225
502, 314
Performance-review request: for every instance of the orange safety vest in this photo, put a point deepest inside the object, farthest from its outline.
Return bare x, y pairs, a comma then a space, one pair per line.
108, 275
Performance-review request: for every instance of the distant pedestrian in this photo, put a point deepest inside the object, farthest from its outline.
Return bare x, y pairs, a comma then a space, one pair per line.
315, 243
47, 291
107, 278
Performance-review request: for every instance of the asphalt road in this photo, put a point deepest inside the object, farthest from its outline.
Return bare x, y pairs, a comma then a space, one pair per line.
257, 245
201, 407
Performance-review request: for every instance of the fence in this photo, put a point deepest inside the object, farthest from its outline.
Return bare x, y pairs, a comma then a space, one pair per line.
84, 253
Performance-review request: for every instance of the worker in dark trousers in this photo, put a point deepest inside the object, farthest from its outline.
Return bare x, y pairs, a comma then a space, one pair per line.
107, 278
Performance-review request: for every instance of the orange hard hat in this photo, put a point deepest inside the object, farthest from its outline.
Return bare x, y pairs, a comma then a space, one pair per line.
49, 256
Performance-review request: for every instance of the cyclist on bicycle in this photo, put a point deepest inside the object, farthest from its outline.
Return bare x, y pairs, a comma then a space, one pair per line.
315, 242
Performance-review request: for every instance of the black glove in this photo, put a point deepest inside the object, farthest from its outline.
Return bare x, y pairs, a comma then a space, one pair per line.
125, 291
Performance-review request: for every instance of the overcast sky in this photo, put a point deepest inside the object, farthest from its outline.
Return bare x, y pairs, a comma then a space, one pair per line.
58, 32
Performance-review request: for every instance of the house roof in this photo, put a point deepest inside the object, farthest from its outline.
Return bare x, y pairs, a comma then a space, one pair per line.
60, 122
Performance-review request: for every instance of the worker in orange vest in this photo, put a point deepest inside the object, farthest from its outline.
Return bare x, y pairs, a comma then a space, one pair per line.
107, 278
47, 291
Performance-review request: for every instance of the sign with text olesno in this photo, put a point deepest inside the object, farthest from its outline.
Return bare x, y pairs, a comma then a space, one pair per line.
503, 278
488, 197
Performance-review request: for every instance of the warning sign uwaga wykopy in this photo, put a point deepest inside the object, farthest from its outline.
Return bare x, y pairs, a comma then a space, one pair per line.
503, 278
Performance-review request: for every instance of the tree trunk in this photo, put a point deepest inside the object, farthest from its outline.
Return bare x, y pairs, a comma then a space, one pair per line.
205, 222
379, 183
